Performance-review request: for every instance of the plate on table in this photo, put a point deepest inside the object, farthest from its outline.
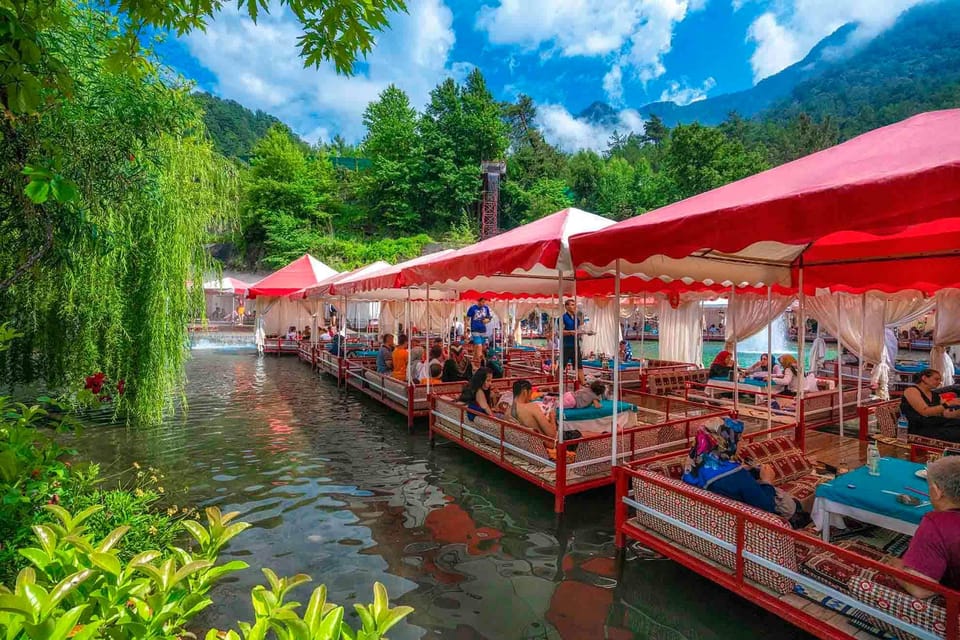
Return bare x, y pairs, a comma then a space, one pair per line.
922, 473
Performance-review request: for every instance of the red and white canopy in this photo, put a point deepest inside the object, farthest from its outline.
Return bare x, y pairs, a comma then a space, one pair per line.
525, 261
881, 196
324, 289
302, 272
387, 283
226, 286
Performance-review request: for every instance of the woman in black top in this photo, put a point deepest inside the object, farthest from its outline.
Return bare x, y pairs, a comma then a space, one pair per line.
926, 413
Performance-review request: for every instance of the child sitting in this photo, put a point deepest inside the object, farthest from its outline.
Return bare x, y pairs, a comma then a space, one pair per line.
585, 396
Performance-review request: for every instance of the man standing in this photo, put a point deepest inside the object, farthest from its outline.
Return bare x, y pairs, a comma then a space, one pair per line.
479, 316
385, 355
571, 339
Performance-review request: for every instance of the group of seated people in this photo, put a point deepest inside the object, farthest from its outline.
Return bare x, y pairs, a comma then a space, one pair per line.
440, 365
784, 372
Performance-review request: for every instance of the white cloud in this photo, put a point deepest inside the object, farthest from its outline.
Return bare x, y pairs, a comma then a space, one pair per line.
683, 94
561, 128
791, 28
639, 30
613, 84
260, 67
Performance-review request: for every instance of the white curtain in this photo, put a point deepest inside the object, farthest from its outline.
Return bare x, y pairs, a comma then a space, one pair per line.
521, 310
750, 314
818, 353
390, 313
681, 336
605, 324
946, 332
879, 311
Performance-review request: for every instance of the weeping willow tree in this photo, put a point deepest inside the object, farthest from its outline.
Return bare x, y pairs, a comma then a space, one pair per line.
107, 196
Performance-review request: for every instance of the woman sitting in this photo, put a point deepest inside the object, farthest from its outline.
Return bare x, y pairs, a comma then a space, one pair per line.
722, 365
477, 394
790, 379
926, 412
713, 465
457, 367
761, 366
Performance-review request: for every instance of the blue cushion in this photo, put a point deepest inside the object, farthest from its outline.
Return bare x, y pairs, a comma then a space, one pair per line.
592, 413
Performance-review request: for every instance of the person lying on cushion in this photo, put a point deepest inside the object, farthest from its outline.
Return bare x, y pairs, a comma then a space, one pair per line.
934, 551
926, 412
584, 397
713, 465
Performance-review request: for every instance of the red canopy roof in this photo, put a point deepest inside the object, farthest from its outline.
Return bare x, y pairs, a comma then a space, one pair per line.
881, 182
225, 286
538, 248
300, 273
387, 278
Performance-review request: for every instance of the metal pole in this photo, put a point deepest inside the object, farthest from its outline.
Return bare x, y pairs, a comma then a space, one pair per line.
616, 363
733, 327
427, 345
408, 328
561, 362
643, 330
769, 358
839, 362
863, 324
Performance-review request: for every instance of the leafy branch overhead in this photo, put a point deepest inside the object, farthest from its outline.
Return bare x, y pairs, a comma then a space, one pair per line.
33, 73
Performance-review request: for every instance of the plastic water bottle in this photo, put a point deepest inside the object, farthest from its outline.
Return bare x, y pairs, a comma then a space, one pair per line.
902, 428
873, 459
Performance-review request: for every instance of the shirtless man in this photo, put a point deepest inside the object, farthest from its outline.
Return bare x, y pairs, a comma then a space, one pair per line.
529, 414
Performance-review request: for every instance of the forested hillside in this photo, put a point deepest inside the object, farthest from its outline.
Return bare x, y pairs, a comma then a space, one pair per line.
233, 128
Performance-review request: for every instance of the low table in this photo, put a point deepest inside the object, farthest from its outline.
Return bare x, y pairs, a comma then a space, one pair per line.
872, 499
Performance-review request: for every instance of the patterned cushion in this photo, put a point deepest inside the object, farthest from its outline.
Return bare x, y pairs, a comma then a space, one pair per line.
826, 567
802, 487
887, 416
529, 443
787, 460
766, 542
927, 614
933, 443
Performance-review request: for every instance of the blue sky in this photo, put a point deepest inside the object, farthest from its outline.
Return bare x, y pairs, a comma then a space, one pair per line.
563, 53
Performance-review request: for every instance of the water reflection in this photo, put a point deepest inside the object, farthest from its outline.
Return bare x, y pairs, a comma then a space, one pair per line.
336, 488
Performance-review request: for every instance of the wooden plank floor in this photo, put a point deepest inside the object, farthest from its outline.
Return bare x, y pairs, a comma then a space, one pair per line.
835, 450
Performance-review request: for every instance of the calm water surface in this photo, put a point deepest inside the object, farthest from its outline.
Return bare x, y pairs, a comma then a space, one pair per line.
335, 488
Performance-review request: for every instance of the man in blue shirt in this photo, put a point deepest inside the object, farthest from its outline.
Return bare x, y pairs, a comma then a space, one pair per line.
479, 315
570, 345
385, 355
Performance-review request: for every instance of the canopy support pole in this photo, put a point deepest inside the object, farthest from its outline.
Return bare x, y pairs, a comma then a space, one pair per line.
643, 331
839, 362
561, 361
426, 346
409, 329
616, 364
863, 324
736, 361
770, 360
801, 344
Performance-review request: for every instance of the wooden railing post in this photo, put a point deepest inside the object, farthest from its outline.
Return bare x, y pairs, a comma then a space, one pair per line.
561, 477
621, 479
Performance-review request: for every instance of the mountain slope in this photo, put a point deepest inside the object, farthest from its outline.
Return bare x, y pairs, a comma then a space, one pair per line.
911, 67
233, 128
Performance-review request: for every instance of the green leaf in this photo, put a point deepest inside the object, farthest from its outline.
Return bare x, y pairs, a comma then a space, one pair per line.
112, 538
8, 466
63, 190
66, 623
330, 627
64, 587
315, 607
16, 604
37, 556
107, 562
393, 617
46, 537
197, 531
381, 601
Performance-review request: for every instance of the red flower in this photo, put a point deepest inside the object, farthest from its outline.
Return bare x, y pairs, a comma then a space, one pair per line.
121, 386
95, 382
54, 500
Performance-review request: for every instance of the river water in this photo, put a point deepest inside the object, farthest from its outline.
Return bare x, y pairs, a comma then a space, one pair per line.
335, 488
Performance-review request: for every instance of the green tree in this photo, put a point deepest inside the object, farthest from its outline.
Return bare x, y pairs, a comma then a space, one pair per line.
615, 189
701, 158
388, 188
484, 130
583, 170
285, 196
449, 183
122, 190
